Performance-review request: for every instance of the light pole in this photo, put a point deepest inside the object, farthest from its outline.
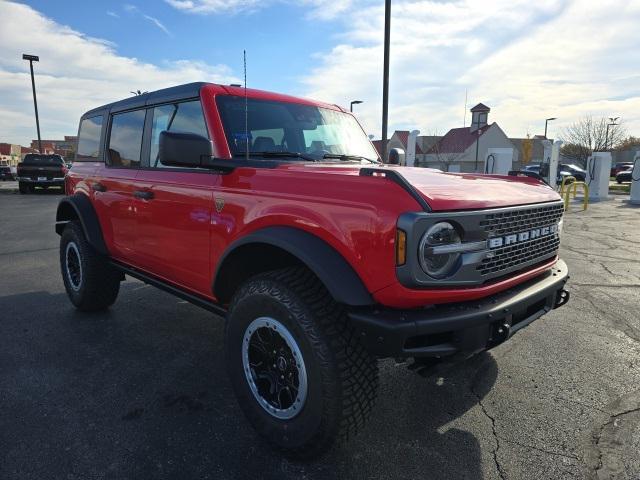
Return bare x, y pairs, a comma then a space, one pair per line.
355, 102
546, 122
385, 79
34, 58
613, 121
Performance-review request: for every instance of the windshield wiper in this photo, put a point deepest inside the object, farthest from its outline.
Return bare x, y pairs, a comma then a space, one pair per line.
348, 157
277, 154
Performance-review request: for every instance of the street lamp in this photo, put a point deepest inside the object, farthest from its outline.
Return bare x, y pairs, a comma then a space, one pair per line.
355, 102
34, 58
606, 138
385, 78
545, 125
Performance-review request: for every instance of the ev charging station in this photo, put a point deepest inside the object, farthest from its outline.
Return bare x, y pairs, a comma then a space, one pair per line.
635, 181
499, 161
598, 171
554, 159
410, 157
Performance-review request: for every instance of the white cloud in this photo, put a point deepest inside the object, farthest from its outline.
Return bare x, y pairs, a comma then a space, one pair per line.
527, 61
75, 73
112, 14
158, 24
320, 9
217, 6
134, 10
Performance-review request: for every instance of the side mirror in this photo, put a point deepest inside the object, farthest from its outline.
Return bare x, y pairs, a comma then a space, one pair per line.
396, 156
181, 149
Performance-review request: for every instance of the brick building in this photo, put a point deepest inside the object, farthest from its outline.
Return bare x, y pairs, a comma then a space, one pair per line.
66, 148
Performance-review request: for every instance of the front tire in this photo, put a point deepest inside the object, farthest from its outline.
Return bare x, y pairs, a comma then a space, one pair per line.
91, 282
300, 375
23, 188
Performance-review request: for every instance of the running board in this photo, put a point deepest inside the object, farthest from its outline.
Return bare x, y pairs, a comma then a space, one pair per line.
195, 299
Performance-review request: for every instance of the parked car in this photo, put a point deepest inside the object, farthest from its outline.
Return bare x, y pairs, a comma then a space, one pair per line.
6, 173
620, 167
41, 171
566, 169
276, 213
625, 175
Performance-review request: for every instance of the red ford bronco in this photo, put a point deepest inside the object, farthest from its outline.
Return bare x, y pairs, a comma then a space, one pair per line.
276, 213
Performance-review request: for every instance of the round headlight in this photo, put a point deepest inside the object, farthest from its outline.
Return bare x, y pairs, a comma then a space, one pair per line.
439, 264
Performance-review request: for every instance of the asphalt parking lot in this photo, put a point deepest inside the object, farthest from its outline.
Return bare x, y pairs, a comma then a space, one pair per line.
140, 391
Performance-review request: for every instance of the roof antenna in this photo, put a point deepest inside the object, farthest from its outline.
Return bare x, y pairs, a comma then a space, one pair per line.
246, 109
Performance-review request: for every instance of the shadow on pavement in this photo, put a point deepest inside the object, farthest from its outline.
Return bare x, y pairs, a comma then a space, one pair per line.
140, 391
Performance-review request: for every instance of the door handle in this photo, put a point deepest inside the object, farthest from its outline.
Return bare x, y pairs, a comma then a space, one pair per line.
98, 187
143, 194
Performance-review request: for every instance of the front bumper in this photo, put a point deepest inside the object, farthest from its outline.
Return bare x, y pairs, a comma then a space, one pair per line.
461, 328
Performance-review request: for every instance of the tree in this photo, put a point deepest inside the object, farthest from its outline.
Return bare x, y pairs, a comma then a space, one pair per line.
589, 135
445, 158
527, 150
628, 143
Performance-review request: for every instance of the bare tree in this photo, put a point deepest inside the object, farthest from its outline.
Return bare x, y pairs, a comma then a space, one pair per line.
447, 154
628, 143
589, 135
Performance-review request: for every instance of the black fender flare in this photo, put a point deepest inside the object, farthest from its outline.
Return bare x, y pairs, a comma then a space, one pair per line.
331, 268
79, 206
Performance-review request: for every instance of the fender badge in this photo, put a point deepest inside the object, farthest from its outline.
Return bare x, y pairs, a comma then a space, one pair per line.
219, 204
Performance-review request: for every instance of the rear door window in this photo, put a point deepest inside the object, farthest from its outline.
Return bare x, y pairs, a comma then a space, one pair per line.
175, 117
125, 139
89, 138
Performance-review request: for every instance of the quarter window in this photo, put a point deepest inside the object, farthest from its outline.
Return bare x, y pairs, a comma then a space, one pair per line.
176, 117
125, 140
89, 138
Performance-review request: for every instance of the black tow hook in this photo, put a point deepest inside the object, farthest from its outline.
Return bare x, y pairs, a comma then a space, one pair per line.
562, 297
500, 331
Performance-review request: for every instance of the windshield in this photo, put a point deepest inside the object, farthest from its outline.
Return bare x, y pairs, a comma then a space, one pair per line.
290, 127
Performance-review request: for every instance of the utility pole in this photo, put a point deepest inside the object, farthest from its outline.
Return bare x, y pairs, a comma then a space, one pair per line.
385, 80
34, 58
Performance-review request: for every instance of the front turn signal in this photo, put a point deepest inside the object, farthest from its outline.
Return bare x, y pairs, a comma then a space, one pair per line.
401, 247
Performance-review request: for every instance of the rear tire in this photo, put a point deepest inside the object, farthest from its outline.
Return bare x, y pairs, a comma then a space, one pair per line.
314, 342
91, 282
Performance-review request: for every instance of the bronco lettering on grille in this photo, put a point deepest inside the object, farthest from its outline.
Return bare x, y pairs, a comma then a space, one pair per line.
497, 242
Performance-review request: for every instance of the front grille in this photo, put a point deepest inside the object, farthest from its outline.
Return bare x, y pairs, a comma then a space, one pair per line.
513, 221
509, 222
506, 257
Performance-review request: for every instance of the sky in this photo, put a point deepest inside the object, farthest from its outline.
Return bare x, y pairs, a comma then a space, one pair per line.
526, 60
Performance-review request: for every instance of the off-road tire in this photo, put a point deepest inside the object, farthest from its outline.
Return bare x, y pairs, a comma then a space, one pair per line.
342, 376
99, 282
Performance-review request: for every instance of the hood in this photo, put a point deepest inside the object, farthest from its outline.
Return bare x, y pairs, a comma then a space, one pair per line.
468, 191
454, 191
